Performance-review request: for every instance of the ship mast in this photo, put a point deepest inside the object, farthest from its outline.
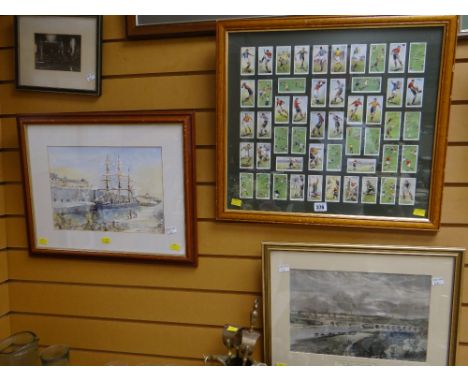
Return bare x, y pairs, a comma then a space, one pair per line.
107, 175
118, 177
129, 186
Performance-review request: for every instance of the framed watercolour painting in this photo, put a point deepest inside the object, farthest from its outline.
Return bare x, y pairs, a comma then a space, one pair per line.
336, 106
360, 305
111, 185
59, 53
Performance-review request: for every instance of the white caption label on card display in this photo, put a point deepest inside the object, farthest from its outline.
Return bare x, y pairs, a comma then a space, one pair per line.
91, 77
171, 230
283, 268
320, 207
437, 281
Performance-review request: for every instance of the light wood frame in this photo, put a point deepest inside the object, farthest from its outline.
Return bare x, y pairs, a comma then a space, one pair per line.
175, 253
231, 210
279, 259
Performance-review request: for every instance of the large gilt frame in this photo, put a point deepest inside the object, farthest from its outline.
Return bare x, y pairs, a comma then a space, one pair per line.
232, 207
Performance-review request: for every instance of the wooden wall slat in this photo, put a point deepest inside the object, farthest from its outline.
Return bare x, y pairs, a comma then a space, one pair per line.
205, 128
3, 266
463, 330
7, 69
455, 168
464, 285
206, 201
205, 167
9, 134
113, 27
455, 206
3, 233
461, 358
11, 166
141, 304
14, 199
458, 126
15, 229
462, 49
6, 31
221, 274
129, 337
94, 358
460, 79
4, 299
142, 93
2, 176
2, 200
228, 236
159, 56
5, 329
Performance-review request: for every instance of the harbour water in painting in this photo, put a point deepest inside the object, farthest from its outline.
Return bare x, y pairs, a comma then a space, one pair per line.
113, 189
359, 314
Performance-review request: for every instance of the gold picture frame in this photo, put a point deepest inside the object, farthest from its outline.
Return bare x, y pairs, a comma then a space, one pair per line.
266, 172
328, 304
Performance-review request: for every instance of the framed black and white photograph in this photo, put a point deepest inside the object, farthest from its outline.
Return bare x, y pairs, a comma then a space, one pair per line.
328, 304
59, 53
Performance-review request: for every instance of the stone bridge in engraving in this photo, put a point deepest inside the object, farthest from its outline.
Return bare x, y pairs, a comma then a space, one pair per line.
332, 324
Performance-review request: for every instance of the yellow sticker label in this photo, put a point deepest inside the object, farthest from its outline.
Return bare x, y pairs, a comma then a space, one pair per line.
280, 364
105, 240
236, 202
43, 241
419, 212
232, 329
174, 247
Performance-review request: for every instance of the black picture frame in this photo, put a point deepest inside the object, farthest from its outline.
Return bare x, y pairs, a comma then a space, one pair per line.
60, 54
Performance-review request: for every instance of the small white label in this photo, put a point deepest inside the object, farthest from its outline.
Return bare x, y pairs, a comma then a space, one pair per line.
437, 281
171, 230
320, 207
283, 268
91, 77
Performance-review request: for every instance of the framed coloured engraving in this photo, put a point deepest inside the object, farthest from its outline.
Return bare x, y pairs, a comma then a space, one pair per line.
110, 185
59, 53
345, 116
360, 305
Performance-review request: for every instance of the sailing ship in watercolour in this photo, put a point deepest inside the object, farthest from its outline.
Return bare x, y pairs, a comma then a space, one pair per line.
107, 189
118, 191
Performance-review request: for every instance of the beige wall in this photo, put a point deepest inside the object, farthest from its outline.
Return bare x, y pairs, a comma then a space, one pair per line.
131, 312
